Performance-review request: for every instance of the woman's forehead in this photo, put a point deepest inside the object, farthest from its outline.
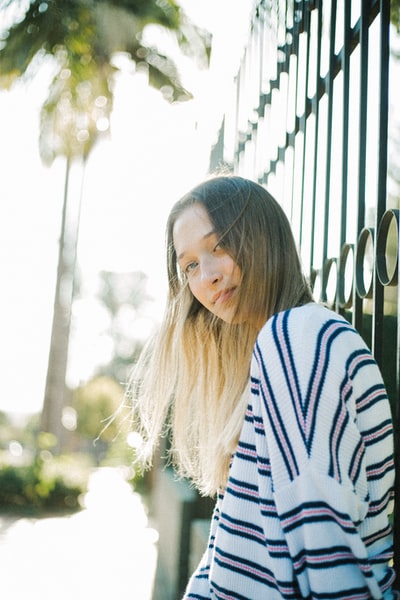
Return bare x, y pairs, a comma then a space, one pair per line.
190, 227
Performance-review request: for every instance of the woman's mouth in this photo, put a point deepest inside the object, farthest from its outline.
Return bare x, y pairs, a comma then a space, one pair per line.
223, 295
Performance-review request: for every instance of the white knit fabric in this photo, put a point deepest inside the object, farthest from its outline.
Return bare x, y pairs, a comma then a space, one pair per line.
305, 512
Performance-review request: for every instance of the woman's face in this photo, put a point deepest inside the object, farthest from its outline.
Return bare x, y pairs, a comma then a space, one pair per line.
213, 275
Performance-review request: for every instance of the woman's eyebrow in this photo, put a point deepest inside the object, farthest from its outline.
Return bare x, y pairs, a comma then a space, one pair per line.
205, 236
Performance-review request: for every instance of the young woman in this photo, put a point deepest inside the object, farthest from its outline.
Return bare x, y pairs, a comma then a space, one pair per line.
272, 402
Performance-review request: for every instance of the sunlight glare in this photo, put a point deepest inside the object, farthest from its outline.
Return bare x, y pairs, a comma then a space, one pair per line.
105, 551
134, 440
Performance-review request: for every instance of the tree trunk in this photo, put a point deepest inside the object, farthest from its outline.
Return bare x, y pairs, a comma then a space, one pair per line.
54, 397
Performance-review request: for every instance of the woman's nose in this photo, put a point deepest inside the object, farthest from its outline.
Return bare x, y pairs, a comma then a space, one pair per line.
210, 273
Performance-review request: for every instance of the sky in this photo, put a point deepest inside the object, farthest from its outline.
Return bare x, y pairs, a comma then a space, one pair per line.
154, 154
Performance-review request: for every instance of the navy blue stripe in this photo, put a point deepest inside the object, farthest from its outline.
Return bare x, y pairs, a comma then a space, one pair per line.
242, 493
233, 526
376, 507
378, 433
329, 515
368, 360
258, 425
329, 562
334, 450
221, 556
343, 328
292, 473
385, 581
247, 446
376, 536
246, 457
270, 583
227, 593
371, 392
285, 334
269, 514
384, 467
360, 461
347, 594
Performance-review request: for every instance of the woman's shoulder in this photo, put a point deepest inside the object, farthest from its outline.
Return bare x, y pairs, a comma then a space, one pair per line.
309, 335
305, 325
312, 315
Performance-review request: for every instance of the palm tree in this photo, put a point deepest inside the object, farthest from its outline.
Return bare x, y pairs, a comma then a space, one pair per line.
79, 41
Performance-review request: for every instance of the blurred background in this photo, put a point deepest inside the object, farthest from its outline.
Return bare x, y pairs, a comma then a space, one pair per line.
108, 113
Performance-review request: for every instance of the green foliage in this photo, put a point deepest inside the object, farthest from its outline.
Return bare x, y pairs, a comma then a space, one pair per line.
123, 295
102, 422
395, 13
95, 403
35, 487
119, 289
79, 41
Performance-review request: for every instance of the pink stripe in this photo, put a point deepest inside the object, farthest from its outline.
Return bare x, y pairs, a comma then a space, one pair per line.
289, 370
326, 558
370, 398
319, 512
372, 436
371, 539
357, 460
243, 489
243, 529
237, 564
335, 441
268, 508
378, 507
317, 379
278, 429
246, 451
380, 470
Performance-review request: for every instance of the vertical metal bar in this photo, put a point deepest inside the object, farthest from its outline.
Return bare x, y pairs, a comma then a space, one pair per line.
295, 47
345, 136
303, 124
362, 145
329, 90
315, 108
377, 322
378, 313
345, 128
396, 419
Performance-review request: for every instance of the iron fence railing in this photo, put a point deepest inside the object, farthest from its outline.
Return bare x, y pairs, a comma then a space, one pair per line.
312, 117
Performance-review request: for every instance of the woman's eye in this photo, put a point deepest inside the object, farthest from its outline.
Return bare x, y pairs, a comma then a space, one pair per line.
190, 267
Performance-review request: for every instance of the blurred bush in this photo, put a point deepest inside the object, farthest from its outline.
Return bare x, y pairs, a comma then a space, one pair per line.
46, 484
35, 476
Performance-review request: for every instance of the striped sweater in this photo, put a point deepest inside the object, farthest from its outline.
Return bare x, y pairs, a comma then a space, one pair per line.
305, 511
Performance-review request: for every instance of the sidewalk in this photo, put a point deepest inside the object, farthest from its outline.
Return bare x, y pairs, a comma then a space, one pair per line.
105, 551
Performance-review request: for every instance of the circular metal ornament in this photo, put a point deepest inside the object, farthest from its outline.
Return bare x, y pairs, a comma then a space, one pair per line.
365, 263
346, 276
329, 279
387, 248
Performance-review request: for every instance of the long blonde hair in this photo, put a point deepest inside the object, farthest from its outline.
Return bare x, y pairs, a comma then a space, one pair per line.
190, 382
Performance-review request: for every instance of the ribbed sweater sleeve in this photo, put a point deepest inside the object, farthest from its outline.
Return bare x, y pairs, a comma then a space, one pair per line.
328, 436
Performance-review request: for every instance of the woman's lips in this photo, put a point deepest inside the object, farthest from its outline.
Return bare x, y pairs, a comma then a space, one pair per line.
222, 296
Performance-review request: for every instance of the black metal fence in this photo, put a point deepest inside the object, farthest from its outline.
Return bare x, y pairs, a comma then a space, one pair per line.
314, 119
